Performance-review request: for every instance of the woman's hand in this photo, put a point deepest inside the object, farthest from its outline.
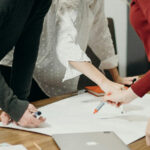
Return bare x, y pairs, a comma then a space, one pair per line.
116, 77
148, 134
109, 86
120, 97
126, 80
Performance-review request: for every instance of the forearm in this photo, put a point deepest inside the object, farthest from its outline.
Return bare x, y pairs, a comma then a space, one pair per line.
90, 71
114, 73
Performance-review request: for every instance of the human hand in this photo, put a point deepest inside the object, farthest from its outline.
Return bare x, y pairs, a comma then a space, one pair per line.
5, 118
126, 81
148, 133
109, 86
28, 120
120, 97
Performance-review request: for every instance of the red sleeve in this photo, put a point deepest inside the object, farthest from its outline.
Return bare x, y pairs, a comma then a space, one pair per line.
145, 7
142, 86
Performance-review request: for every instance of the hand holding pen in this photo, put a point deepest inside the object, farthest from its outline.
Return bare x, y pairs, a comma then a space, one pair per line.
112, 97
37, 114
120, 97
134, 80
31, 118
100, 105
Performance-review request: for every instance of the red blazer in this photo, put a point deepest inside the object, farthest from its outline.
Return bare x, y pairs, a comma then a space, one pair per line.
140, 20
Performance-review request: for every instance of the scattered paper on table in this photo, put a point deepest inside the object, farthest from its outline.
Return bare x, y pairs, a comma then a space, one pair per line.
75, 114
5, 146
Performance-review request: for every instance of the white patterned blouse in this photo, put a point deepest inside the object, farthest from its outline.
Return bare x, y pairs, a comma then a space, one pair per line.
69, 27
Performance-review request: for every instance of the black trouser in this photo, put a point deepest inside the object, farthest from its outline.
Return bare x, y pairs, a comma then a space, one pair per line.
21, 24
36, 92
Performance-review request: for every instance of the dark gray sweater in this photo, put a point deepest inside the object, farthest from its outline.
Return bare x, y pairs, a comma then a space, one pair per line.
21, 24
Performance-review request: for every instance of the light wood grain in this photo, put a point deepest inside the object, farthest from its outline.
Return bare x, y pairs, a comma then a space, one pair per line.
14, 137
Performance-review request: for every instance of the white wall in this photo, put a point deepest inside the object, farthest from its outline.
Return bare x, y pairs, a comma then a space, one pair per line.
117, 9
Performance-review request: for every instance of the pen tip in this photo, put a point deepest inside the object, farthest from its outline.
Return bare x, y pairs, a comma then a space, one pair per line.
39, 113
95, 111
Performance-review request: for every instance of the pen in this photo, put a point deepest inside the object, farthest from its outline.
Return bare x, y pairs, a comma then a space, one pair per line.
37, 114
132, 82
100, 105
122, 109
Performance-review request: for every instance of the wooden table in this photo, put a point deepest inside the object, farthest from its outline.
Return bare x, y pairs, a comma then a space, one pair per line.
13, 136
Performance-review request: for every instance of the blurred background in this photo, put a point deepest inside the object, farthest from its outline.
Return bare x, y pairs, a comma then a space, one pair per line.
132, 58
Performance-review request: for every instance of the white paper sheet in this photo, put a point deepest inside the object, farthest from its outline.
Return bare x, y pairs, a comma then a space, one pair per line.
12, 147
75, 114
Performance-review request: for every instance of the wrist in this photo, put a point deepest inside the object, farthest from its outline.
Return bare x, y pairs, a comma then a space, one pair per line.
103, 81
131, 94
117, 79
115, 74
17, 108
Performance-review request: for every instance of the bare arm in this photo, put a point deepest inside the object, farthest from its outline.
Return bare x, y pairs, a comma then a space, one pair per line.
96, 76
116, 77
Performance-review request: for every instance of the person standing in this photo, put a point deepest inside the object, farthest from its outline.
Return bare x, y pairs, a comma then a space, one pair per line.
140, 20
70, 26
21, 24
